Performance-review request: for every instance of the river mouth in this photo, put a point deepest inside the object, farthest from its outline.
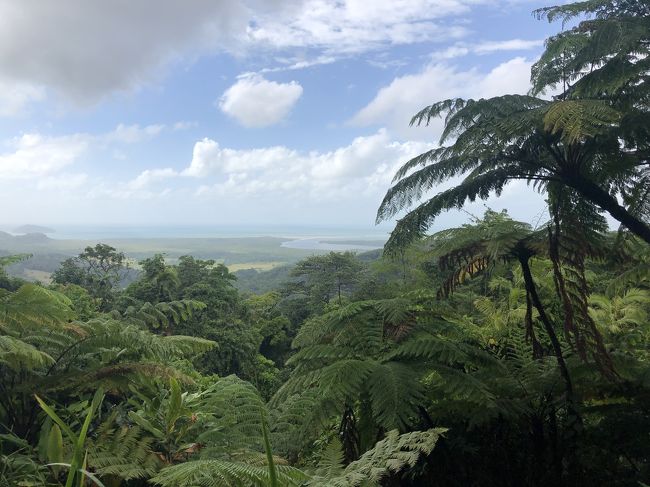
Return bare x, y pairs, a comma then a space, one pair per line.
332, 244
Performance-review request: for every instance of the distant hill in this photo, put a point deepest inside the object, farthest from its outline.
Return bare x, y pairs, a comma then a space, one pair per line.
33, 229
32, 238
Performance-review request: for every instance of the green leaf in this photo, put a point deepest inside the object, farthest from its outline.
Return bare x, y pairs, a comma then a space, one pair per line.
144, 423
175, 403
97, 400
55, 444
55, 417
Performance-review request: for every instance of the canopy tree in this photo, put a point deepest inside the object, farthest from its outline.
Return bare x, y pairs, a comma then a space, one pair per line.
98, 269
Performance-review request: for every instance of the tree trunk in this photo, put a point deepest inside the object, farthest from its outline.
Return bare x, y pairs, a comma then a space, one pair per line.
349, 435
592, 192
548, 326
574, 420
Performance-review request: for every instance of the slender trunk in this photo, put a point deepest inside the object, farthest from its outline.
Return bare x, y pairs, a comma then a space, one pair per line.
548, 326
574, 420
349, 435
592, 192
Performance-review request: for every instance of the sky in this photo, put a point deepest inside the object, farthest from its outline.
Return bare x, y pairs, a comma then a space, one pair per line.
240, 112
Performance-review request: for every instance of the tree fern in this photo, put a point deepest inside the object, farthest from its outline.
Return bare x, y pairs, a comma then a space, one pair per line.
346, 359
222, 473
389, 456
588, 144
17, 355
233, 435
122, 452
163, 316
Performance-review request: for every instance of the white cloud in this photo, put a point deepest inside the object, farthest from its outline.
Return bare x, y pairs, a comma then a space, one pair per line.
34, 155
450, 52
463, 49
511, 77
509, 45
396, 103
131, 134
293, 64
220, 184
15, 96
256, 102
357, 26
280, 184
149, 176
42, 158
365, 166
184, 125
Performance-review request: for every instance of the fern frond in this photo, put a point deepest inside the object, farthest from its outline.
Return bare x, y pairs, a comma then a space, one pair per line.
17, 355
389, 456
220, 473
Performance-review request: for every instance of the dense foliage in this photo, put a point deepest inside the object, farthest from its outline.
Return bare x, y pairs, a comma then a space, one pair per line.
492, 354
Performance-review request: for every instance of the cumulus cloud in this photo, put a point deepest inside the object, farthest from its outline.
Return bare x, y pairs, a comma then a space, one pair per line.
343, 185
149, 176
34, 155
222, 184
43, 158
278, 182
396, 103
256, 102
511, 77
365, 166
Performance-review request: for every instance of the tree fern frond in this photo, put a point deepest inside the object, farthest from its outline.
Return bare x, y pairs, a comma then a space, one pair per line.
395, 394
389, 456
219, 473
16, 355
576, 120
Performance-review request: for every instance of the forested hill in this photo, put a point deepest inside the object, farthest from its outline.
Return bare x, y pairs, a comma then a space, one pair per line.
497, 353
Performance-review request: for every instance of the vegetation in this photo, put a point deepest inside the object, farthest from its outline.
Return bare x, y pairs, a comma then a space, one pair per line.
492, 354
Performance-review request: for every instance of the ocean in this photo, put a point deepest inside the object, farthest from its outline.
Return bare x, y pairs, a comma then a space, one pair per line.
338, 238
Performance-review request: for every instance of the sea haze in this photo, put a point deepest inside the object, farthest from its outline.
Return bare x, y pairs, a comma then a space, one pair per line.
297, 236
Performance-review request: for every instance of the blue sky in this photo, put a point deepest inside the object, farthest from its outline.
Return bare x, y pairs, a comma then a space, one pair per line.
239, 111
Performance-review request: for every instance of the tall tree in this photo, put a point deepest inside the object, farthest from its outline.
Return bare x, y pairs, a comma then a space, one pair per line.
327, 277
98, 269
